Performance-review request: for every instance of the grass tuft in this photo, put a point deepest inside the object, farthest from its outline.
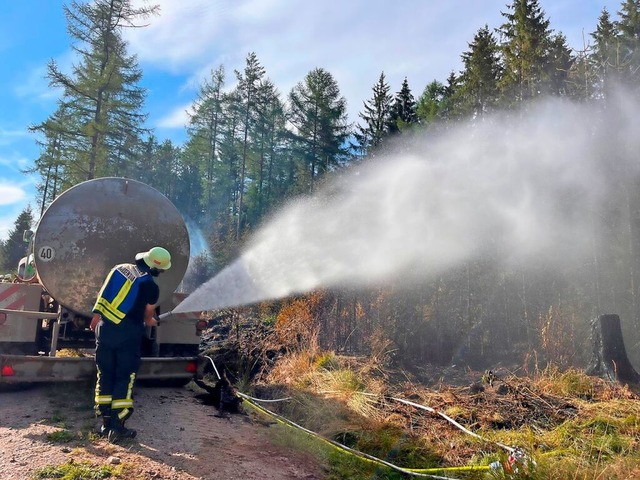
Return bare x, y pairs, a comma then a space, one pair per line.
573, 426
78, 471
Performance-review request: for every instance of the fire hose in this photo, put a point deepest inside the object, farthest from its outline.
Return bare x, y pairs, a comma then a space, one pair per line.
516, 455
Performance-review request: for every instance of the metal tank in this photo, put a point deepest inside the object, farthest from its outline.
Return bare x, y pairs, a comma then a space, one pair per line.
100, 223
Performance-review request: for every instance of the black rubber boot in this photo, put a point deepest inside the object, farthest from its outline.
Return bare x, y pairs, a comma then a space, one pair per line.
103, 431
117, 431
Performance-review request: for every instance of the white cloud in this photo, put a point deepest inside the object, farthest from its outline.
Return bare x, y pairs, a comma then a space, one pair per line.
16, 193
9, 214
14, 162
34, 85
177, 118
354, 40
10, 194
6, 224
182, 33
9, 136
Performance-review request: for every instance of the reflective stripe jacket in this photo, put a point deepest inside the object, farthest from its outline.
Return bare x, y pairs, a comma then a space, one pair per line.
119, 291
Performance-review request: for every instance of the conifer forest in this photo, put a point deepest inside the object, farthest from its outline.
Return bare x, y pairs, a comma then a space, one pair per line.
252, 150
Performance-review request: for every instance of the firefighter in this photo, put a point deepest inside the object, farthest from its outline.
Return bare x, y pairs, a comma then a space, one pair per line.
125, 305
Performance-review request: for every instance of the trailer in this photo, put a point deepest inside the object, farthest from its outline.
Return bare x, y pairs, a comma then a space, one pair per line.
46, 310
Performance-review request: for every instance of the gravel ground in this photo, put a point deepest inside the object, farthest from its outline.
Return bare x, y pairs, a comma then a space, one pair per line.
179, 437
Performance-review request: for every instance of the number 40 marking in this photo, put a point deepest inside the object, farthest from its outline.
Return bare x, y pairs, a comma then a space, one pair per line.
46, 254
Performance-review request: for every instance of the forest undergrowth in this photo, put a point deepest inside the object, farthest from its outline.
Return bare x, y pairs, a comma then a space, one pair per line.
524, 423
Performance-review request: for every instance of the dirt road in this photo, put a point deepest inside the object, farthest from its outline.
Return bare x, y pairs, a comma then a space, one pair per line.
179, 438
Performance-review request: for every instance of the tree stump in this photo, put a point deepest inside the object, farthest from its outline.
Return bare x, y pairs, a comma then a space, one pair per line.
609, 358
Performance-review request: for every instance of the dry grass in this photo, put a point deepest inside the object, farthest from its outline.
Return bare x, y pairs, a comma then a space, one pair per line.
574, 426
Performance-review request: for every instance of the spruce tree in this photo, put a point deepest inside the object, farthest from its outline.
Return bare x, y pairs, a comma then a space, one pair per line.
189, 185
375, 116
447, 110
525, 44
230, 155
318, 113
605, 56
629, 35
160, 166
403, 112
560, 64
14, 248
478, 92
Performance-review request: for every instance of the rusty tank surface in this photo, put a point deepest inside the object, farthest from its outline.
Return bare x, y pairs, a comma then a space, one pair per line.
100, 223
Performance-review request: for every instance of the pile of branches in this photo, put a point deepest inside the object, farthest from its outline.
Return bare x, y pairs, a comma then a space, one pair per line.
509, 404
240, 344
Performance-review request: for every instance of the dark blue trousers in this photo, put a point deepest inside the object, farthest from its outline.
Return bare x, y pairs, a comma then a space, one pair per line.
117, 362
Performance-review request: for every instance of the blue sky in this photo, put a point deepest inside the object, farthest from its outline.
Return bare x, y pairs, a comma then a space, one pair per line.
354, 40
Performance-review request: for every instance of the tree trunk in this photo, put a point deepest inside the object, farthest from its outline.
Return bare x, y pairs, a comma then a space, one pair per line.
610, 359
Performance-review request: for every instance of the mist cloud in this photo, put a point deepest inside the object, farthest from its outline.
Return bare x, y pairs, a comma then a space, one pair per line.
522, 188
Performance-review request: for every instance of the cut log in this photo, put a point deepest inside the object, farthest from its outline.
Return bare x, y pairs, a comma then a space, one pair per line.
609, 358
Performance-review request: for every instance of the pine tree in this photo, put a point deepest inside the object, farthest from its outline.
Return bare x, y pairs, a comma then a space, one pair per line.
14, 248
101, 97
376, 117
478, 92
318, 113
403, 112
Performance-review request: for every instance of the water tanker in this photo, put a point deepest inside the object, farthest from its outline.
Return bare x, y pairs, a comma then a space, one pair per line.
83, 233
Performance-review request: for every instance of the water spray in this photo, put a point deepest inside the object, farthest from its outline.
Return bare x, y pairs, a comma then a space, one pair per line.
521, 191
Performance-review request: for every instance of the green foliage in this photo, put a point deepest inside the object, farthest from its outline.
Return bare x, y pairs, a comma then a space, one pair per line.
78, 471
599, 440
403, 111
318, 114
97, 128
60, 436
327, 361
377, 111
14, 248
429, 103
58, 419
251, 149
526, 45
479, 92
571, 382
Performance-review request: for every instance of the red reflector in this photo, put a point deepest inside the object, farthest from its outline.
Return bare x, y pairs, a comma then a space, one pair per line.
202, 324
7, 371
192, 367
